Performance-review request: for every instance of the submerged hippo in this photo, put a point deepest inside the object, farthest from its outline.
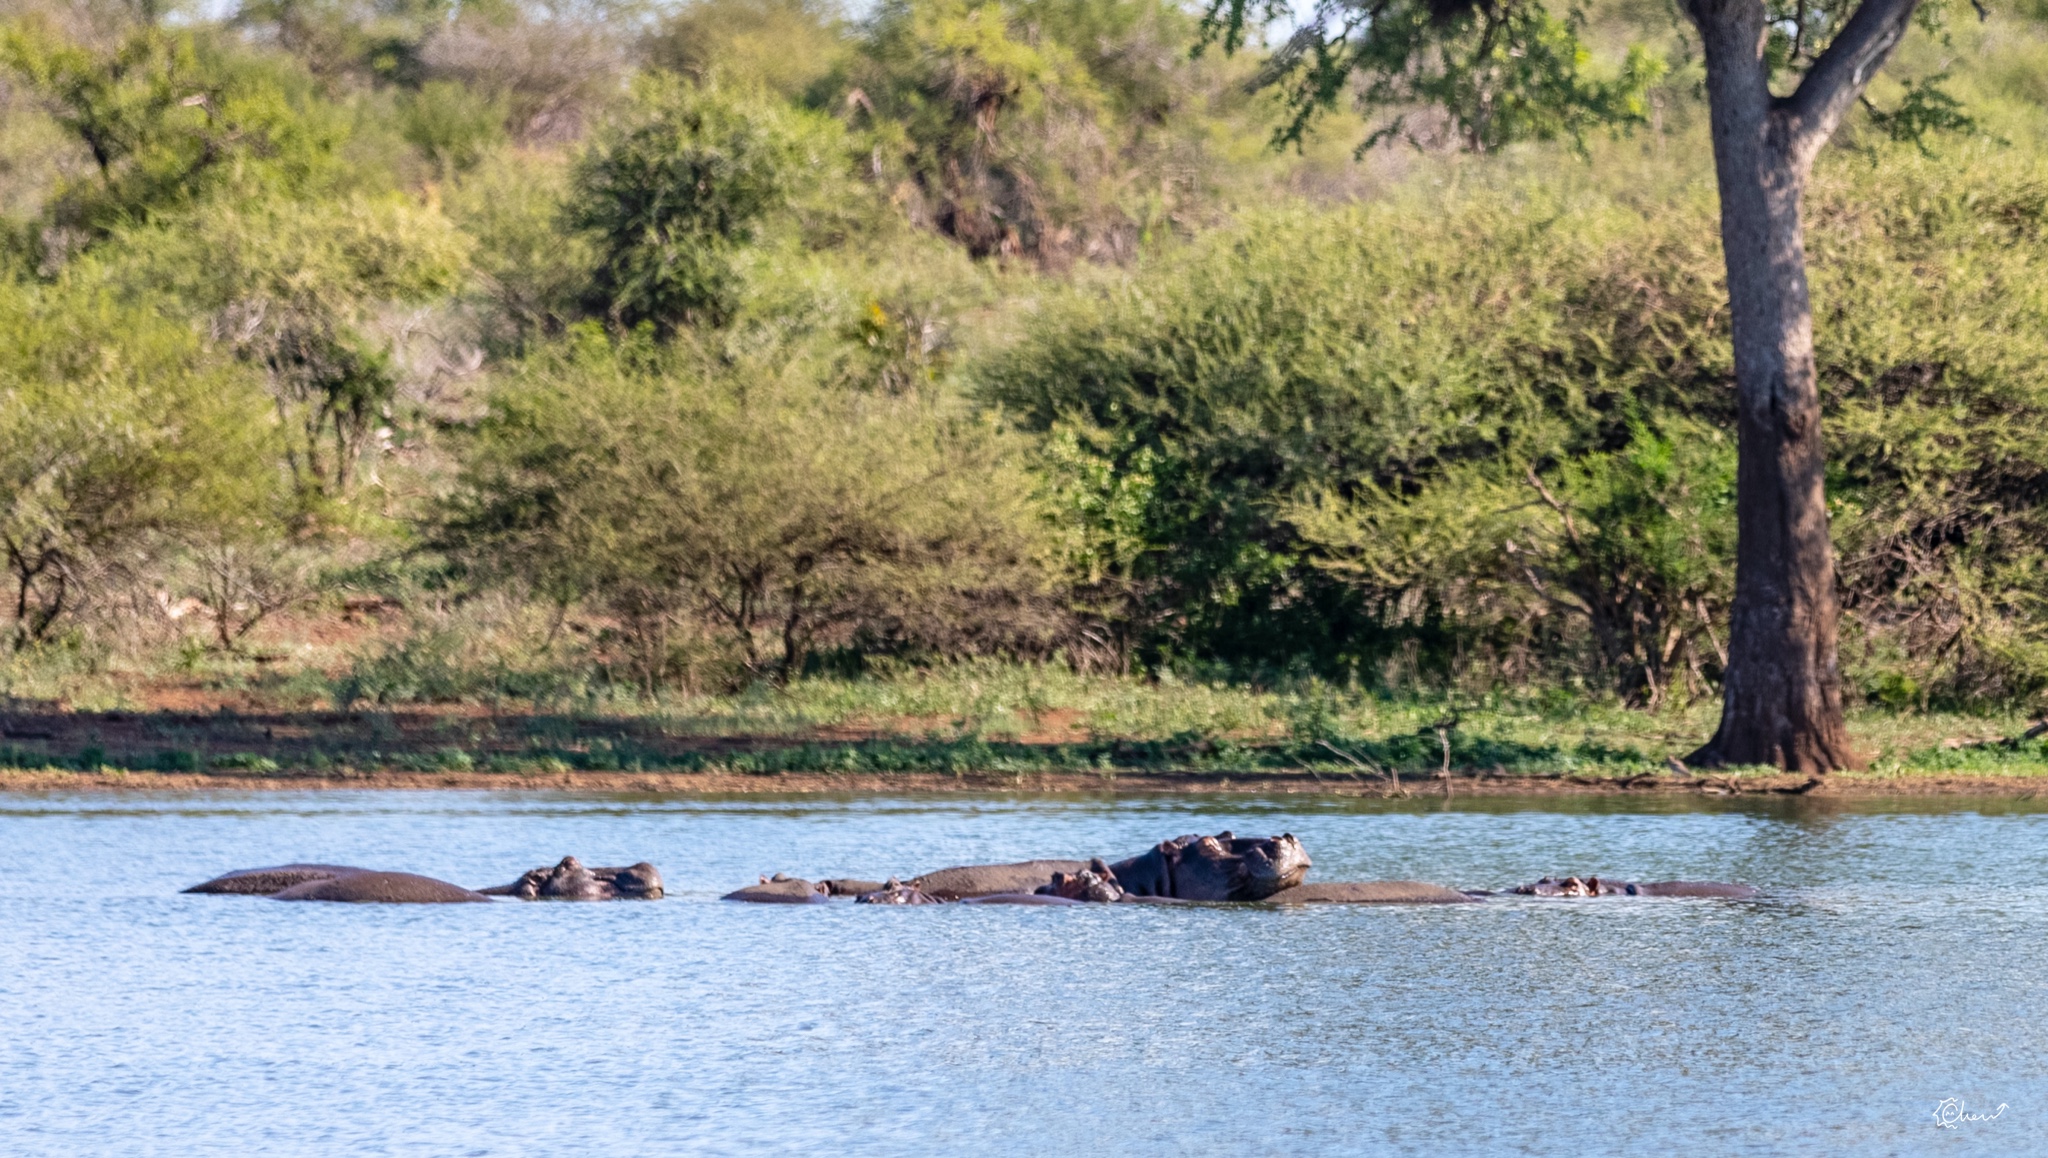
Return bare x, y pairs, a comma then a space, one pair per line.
570, 881
1095, 883
983, 880
1224, 867
262, 882
895, 892
378, 888
1593, 886
781, 890
1370, 893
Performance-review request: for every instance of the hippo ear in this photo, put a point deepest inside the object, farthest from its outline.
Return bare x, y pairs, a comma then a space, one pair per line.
764, 878
1226, 836
1098, 866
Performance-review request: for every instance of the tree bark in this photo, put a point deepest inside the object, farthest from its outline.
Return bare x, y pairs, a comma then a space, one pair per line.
1781, 688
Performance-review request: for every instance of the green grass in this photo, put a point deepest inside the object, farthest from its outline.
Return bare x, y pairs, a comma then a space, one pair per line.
969, 717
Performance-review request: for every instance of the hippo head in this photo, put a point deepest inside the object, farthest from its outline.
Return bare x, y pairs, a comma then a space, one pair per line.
1575, 887
1224, 867
1094, 883
895, 892
635, 882
571, 881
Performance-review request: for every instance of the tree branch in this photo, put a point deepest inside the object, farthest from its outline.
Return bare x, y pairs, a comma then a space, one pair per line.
1844, 70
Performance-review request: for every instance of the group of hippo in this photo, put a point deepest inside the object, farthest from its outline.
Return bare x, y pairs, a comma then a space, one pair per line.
1224, 867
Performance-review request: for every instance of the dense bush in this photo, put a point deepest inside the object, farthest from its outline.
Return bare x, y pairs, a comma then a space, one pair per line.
1484, 434
754, 504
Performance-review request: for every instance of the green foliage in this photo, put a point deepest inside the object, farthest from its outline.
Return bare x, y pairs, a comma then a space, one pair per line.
787, 47
1032, 128
168, 116
530, 276
118, 435
1500, 72
752, 501
689, 177
291, 286
453, 126
1363, 353
1481, 435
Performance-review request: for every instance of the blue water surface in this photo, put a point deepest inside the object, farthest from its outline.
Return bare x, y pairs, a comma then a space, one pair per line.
1895, 960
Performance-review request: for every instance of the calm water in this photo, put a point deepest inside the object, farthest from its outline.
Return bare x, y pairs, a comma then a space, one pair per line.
1898, 959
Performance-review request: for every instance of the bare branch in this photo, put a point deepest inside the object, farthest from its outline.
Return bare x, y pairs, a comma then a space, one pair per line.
1844, 70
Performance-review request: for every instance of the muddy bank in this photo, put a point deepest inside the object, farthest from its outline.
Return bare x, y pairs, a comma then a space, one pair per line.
1121, 784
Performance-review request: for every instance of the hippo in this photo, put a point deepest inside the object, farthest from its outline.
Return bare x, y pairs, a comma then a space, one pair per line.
1224, 867
853, 887
262, 882
781, 889
1095, 883
1593, 886
895, 892
570, 881
1019, 899
379, 888
981, 880
1370, 893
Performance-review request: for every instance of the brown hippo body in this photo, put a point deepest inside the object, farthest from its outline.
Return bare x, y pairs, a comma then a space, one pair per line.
981, 880
1370, 893
377, 888
262, 882
1595, 887
1224, 867
571, 881
1095, 883
781, 890
852, 886
895, 892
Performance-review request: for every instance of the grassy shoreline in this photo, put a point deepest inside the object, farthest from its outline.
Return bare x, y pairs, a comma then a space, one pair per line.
973, 726
1460, 787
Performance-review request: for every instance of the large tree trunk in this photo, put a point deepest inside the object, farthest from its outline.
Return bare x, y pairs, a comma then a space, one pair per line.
1781, 691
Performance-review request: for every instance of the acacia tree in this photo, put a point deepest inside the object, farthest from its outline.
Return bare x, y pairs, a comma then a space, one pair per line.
1507, 69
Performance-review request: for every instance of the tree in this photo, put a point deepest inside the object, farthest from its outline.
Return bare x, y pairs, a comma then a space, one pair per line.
775, 508
1781, 691
118, 433
295, 286
168, 118
675, 190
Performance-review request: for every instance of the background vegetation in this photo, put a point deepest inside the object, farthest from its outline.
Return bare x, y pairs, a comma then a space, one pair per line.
616, 353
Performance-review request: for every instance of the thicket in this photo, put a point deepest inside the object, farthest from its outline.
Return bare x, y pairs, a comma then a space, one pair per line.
727, 342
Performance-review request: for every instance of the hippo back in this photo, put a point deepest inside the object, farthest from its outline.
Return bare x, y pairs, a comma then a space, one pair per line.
1370, 893
981, 880
1693, 889
375, 888
787, 891
262, 882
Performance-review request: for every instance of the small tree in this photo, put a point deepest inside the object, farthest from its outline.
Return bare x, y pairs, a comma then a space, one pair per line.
295, 287
757, 500
118, 436
1506, 70
673, 192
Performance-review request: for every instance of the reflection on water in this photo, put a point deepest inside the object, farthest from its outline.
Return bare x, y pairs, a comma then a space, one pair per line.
1894, 962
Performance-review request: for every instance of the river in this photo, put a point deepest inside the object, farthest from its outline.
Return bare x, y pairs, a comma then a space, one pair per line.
1896, 959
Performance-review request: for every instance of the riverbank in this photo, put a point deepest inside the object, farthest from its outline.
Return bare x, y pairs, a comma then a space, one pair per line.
1461, 785
987, 727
